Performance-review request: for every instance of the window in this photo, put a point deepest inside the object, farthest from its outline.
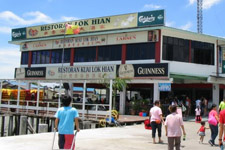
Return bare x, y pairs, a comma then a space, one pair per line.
66, 56
87, 54
140, 51
109, 53
56, 56
40, 57
24, 58
175, 49
202, 53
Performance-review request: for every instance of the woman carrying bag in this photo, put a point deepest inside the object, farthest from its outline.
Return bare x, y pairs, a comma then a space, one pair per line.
156, 120
213, 124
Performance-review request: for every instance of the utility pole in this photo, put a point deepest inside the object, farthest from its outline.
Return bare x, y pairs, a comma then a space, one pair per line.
199, 16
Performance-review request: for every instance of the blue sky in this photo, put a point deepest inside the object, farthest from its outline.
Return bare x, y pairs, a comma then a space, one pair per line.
23, 13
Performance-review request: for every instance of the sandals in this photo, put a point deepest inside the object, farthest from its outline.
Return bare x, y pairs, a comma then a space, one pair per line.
161, 141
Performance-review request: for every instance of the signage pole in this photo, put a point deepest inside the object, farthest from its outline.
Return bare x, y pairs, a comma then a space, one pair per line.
83, 102
60, 89
110, 101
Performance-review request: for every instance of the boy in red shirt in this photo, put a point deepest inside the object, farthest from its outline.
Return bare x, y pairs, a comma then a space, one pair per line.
201, 132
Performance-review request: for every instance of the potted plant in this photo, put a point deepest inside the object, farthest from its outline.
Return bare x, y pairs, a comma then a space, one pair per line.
144, 106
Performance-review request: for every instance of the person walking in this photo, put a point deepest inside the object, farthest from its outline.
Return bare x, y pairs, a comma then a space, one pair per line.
213, 124
221, 128
201, 132
173, 126
222, 105
188, 106
198, 114
205, 106
156, 120
64, 123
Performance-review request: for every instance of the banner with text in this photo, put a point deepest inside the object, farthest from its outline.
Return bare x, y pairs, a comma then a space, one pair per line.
41, 45
126, 38
165, 87
80, 41
143, 70
35, 72
82, 72
151, 18
86, 25
19, 34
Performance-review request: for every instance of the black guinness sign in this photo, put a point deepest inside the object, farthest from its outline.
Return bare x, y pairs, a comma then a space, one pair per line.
39, 72
143, 70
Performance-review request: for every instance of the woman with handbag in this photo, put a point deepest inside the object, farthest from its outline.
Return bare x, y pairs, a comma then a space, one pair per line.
156, 120
213, 124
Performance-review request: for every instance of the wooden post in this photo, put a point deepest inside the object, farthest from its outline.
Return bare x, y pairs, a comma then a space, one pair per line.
37, 124
3, 126
38, 97
18, 125
18, 97
10, 126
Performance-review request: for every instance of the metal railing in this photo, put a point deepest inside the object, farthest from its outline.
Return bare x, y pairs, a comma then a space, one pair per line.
49, 108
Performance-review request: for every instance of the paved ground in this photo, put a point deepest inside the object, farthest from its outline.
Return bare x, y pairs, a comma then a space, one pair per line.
117, 138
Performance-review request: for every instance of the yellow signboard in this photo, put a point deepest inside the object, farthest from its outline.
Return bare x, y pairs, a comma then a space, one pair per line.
86, 25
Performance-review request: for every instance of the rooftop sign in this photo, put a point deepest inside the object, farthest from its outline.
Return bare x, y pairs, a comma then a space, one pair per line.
133, 20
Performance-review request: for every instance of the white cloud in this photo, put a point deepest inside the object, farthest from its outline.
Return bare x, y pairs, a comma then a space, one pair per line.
64, 18
151, 6
170, 23
192, 1
9, 20
186, 26
10, 59
207, 4
13, 19
6, 30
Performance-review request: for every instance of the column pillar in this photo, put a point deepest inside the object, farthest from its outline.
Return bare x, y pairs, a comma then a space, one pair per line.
216, 94
110, 100
83, 103
156, 92
122, 101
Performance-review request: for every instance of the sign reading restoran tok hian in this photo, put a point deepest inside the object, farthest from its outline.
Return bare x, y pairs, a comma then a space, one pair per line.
87, 25
140, 19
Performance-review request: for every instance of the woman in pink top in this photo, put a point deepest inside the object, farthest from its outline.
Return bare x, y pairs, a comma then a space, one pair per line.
173, 126
156, 120
213, 128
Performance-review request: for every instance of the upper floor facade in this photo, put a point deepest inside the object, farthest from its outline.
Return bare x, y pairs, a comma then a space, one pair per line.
188, 53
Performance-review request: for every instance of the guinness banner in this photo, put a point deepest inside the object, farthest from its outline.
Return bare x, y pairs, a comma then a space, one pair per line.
143, 70
39, 72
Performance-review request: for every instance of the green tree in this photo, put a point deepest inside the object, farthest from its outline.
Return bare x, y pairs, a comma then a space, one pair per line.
118, 84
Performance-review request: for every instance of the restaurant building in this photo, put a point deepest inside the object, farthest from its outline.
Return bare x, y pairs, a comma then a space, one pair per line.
161, 62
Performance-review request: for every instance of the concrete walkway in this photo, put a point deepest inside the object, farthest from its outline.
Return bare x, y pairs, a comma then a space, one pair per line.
117, 138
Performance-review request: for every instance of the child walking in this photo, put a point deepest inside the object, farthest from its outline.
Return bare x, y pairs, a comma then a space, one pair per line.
64, 123
201, 132
198, 114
